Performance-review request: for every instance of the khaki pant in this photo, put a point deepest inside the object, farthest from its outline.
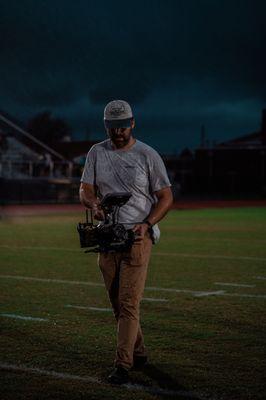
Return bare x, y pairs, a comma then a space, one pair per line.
124, 276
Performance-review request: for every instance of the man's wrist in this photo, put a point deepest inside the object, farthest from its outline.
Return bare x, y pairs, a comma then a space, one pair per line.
146, 221
94, 206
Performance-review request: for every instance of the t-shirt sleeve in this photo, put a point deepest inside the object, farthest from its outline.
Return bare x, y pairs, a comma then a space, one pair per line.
89, 175
158, 174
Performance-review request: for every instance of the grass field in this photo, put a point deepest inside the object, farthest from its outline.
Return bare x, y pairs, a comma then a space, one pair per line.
206, 336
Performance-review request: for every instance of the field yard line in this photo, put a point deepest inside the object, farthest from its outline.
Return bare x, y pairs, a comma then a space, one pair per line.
39, 371
163, 392
15, 316
154, 300
173, 254
259, 296
195, 293
210, 256
263, 278
50, 280
205, 294
110, 309
90, 379
234, 284
45, 248
151, 288
88, 308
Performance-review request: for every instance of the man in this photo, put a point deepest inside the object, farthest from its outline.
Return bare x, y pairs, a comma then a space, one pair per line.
124, 164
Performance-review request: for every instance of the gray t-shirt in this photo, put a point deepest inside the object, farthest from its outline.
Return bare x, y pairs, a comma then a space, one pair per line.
138, 170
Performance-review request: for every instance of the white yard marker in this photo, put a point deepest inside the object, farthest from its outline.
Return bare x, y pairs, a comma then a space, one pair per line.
173, 254
234, 284
195, 293
262, 278
39, 371
90, 379
258, 296
150, 288
50, 280
163, 392
151, 299
110, 309
25, 318
214, 256
205, 294
89, 308
39, 248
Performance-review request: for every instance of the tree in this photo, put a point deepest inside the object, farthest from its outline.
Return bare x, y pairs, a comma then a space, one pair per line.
47, 128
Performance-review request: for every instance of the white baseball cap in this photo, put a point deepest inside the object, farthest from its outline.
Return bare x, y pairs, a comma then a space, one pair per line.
118, 114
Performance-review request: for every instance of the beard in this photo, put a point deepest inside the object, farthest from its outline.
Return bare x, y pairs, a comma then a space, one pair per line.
121, 140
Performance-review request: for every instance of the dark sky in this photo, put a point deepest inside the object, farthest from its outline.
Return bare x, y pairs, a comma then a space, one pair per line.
180, 63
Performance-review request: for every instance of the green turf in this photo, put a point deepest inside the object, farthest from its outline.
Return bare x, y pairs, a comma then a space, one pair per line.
211, 345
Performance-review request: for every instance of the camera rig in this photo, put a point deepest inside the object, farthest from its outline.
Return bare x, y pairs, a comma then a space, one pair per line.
109, 235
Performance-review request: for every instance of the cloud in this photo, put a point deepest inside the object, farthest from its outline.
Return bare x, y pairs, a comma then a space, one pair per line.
179, 63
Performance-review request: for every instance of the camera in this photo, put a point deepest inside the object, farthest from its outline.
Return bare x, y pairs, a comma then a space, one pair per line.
109, 235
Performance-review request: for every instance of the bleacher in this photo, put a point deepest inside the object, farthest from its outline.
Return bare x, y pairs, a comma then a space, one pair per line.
31, 171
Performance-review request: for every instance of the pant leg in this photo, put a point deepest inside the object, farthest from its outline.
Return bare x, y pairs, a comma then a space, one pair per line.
133, 272
109, 264
139, 347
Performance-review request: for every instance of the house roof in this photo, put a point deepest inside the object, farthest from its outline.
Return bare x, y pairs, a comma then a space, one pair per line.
252, 139
255, 139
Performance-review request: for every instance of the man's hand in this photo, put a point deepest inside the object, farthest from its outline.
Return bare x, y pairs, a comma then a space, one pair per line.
165, 200
140, 231
97, 212
88, 198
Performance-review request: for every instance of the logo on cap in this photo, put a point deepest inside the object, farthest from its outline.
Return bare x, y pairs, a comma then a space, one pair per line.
117, 109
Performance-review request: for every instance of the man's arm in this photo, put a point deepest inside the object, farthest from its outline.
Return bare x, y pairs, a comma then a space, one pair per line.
88, 198
165, 201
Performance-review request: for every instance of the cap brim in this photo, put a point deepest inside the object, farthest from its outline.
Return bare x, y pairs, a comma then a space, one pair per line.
118, 123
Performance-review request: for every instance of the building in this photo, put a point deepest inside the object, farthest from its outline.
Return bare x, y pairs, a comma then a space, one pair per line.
235, 167
32, 171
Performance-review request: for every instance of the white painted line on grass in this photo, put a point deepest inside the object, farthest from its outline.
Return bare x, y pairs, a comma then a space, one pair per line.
37, 248
90, 379
110, 309
259, 296
151, 299
195, 293
39, 371
150, 288
89, 308
162, 392
173, 254
262, 278
26, 318
50, 280
202, 294
234, 284
205, 294
214, 256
